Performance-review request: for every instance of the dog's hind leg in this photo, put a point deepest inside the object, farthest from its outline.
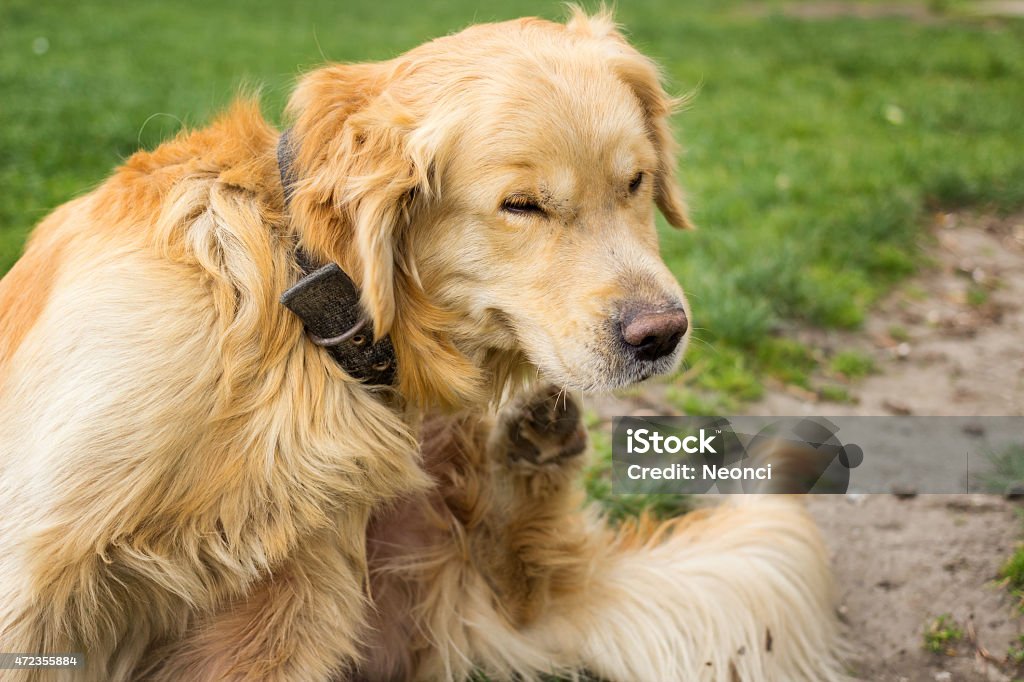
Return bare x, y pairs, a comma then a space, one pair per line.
303, 623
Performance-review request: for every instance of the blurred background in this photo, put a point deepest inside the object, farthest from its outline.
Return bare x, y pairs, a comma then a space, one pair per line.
856, 170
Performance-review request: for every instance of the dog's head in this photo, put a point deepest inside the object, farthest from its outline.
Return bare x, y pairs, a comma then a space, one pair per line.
494, 192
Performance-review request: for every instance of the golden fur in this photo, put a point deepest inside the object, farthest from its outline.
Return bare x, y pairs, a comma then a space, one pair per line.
187, 482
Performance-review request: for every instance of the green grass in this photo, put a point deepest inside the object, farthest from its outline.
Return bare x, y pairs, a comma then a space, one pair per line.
852, 364
899, 333
1015, 652
1011, 573
1007, 469
836, 394
942, 634
977, 296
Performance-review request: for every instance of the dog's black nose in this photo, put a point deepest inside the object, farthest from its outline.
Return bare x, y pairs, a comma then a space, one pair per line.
651, 333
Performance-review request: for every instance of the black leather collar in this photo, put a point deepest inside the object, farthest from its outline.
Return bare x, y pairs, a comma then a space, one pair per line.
327, 301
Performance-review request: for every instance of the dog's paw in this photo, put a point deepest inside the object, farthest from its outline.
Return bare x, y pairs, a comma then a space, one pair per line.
544, 429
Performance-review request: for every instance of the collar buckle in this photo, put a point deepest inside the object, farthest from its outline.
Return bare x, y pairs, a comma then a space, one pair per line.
327, 301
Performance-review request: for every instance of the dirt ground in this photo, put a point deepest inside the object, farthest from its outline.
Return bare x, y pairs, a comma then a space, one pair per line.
899, 563
948, 342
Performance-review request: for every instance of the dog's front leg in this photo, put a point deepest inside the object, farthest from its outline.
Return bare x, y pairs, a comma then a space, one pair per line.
534, 455
303, 622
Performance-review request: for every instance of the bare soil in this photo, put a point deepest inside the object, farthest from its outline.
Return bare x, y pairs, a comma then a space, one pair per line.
900, 563
950, 341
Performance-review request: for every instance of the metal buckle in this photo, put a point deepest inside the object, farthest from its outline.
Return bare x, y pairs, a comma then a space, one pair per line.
337, 340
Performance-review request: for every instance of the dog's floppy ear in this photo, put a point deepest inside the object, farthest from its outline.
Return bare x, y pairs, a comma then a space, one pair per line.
642, 76
356, 174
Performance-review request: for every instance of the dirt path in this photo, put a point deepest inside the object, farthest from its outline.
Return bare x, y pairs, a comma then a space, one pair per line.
900, 563
948, 342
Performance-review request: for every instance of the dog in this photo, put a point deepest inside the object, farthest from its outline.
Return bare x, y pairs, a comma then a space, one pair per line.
188, 467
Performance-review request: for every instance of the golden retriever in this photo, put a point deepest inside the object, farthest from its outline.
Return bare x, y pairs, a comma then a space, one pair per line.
188, 481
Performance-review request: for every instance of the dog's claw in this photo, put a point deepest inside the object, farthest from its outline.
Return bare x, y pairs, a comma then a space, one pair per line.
546, 428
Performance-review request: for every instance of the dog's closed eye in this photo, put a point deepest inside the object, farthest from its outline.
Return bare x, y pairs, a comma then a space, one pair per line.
635, 183
521, 204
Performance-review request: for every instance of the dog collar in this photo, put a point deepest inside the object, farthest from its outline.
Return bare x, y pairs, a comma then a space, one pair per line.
327, 301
